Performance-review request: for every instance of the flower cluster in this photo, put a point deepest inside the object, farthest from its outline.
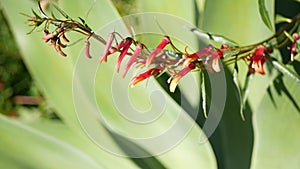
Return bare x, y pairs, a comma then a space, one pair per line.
177, 63
258, 57
55, 30
55, 39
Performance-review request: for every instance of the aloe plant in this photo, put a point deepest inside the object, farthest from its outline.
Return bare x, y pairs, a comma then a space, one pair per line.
106, 124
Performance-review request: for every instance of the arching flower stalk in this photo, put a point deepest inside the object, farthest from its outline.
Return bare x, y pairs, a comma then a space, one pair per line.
177, 63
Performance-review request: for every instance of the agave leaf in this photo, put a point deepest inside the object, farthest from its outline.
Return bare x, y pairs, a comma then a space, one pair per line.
176, 22
285, 70
57, 84
200, 4
216, 40
274, 110
280, 19
20, 144
264, 14
53, 73
232, 152
238, 88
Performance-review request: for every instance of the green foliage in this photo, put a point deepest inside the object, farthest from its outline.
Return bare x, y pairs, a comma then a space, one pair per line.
265, 14
275, 124
15, 79
285, 70
270, 115
27, 143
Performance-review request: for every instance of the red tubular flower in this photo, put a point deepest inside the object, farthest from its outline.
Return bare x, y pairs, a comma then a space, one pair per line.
179, 75
145, 75
210, 57
107, 50
213, 60
293, 47
54, 39
134, 56
87, 49
58, 41
124, 46
57, 47
257, 60
208, 50
48, 36
215, 65
63, 37
165, 41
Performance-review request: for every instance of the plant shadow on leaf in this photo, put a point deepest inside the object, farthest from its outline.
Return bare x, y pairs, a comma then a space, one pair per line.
232, 134
296, 66
134, 151
162, 80
271, 96
281, 88
176, 95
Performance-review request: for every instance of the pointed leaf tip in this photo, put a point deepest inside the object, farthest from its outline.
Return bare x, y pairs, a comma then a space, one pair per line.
265, 15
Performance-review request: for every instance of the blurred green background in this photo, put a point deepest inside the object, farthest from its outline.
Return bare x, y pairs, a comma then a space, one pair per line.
39, 128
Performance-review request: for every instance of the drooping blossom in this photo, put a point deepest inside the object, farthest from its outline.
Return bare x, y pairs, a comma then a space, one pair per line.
108, 48
87, 49
135, 55
165, 41
54, 39
63, 37
293, 47
151, 72
124, 47
179, 75
257, 60
57, 46
48, 36
210, 57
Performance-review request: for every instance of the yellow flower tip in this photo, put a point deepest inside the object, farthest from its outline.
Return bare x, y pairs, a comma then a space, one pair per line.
134, 82
216, 66
174, 84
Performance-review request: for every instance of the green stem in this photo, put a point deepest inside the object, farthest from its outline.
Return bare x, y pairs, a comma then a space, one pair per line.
294, 24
